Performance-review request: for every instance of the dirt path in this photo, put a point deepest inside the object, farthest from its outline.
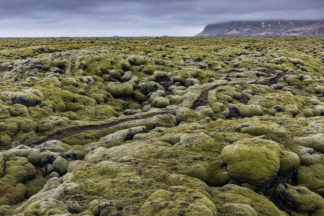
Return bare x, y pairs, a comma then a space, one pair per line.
203, 98
73, 131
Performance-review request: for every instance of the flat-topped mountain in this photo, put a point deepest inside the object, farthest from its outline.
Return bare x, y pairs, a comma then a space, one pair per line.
265, 28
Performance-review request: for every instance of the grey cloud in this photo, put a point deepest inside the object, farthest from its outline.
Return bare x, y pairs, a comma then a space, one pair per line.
140, 17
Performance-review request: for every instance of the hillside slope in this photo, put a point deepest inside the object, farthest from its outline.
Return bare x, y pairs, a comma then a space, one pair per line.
265, 28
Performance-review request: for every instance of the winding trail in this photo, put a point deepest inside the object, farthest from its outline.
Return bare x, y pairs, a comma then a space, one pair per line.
77, 130
203, 98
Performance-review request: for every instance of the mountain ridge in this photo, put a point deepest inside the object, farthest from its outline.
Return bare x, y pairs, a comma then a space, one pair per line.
265, 28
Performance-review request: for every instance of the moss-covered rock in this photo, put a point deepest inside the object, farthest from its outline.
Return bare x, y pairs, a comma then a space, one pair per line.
121, 136
308, 156
52, 123
235, 199
160, 76
27, 97
270, 129
315, 141
289, 161
304, 200
53, 146
121, 89
160, 102
5, 140
18, 110
251, 110
237, 209
178, 200
136, 60
312, 177
255, 161
17, 171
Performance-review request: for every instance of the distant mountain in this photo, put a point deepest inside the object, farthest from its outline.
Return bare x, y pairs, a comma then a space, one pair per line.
265, 28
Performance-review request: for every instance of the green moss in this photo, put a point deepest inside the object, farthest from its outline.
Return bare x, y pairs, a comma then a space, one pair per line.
60, 65
255, 161
136, 60
230, 209
270, 129
52, 123
35, 185
17, 171
305, 200
233, 194
289, 161
9, 127
217, 176
53, 84
312, 177
121, 89
178, 200
100, 112
315, 141
160, 102
5, 140
18, 110
251, 110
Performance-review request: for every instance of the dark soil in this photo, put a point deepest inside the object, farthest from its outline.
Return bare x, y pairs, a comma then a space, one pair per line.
73, 131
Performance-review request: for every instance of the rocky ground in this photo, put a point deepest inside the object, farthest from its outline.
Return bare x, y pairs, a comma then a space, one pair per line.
162, 126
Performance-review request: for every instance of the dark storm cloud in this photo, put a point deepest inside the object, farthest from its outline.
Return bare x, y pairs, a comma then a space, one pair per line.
140, 17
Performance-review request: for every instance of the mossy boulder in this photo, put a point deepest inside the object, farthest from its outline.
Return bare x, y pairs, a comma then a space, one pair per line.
315, 141
121, 89
136, 60
27, 97
237, 209
304, 200
312, 177
255, 161
184, 113
160, 102
5, 140
17, 170
192, 82
178, 200
270, 129
52, 122
235, 199
9, 126
18, 110
86, 79
217, 175
53, 146
60, 165
4, 111
148, 87
160, 76
121, 136
308, 156
250, 110
127, 76
289, 161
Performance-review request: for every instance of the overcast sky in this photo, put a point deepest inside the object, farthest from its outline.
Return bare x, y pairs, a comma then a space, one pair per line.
27, 18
